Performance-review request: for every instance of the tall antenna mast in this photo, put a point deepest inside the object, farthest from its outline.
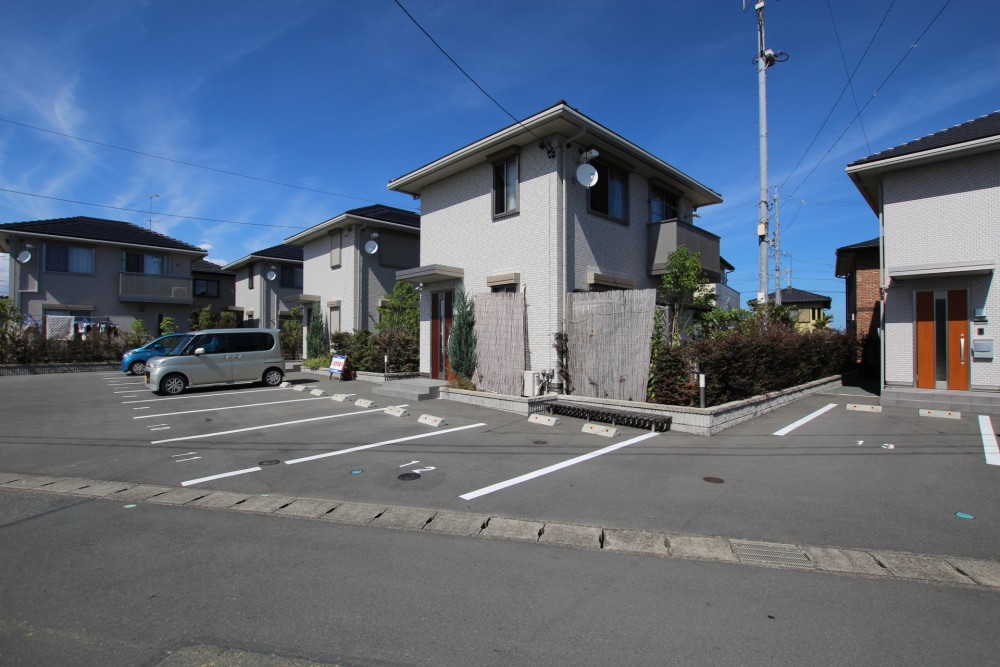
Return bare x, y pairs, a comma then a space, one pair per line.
765, 58
150, 220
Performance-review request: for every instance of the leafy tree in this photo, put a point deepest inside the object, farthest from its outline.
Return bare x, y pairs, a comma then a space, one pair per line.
168, 325
202, 318
719, 320
402, 312
11, 329
318, 338
462, 341
291, 334
138, 334
228, 320
823, 322
683, 288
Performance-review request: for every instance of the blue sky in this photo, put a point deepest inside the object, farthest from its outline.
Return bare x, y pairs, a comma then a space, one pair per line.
338, 98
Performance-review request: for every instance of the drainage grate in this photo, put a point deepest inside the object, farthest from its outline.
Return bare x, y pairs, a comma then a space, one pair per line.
767, 553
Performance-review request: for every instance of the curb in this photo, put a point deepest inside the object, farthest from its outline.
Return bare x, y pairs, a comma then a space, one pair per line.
876, 564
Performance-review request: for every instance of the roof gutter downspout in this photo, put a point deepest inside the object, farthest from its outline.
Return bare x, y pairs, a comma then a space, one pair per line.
883, 287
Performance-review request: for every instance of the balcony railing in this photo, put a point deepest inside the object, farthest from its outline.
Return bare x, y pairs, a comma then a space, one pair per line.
667, 235
151, 287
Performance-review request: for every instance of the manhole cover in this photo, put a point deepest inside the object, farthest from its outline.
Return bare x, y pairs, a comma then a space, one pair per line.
713, 480
269, 462
409, 476
539, 442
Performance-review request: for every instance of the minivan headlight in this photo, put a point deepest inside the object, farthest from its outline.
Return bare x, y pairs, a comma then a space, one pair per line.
153, 363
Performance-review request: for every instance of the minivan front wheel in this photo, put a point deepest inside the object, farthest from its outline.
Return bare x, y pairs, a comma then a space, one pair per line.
137, 367
273, 377
173, 384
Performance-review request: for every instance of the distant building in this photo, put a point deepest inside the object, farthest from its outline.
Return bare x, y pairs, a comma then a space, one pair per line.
96, 272
805, 308
858, 265
267, 283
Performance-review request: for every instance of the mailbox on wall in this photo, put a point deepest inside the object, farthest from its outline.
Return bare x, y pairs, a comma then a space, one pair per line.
982, 348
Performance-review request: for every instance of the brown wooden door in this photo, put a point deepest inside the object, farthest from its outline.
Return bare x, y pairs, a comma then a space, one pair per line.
958, 340
925, 340
442, 307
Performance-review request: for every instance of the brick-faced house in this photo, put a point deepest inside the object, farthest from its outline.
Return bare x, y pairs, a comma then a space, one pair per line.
98, 271
342, 277
267, 284
938, 202
858, 264
506, 213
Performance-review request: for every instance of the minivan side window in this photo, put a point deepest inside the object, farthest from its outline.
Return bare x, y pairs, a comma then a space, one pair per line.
213, 344
250, 342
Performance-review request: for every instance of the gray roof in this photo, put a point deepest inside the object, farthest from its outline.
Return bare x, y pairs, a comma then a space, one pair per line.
980, 128
282, 251
99, 229
201, 266
387, 214
873, 243
793, 295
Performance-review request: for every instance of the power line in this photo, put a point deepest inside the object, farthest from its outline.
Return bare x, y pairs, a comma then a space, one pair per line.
870, 99
459, 67
850, 82
182, 162
841, 95
136, 210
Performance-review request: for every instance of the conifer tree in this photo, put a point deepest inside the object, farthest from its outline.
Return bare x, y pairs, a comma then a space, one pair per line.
462, 342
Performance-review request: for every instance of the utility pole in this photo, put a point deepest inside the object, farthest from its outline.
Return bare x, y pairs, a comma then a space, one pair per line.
777, 250
765, 59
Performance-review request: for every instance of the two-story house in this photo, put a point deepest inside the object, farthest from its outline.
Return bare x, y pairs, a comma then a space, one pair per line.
212, 286
99, 272
350, 262
938, 203
509, 213
267, 284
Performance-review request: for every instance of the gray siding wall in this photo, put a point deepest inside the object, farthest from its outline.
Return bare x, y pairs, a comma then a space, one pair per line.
264, 292
936, 214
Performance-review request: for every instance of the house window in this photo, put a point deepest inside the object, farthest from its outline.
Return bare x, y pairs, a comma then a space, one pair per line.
507, 289
291, 276
69, 259
817, 314
250, 277
138, 262
334, 319
609, 196
662, 206
207, 288
505, 176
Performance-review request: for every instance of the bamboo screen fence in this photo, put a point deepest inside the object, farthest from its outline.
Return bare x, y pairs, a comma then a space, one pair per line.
500, 342
609, 340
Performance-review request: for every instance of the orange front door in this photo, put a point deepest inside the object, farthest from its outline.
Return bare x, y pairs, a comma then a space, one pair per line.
958, 340
942, 332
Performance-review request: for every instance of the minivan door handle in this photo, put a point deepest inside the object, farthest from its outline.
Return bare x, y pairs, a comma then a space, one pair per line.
235, 356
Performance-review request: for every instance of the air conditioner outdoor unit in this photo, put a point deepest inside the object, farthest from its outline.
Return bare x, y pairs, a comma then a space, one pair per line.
532, 383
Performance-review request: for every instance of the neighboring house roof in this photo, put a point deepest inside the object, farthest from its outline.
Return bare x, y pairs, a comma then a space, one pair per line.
378, 214
201, 266
99, 230
981, 128
791, 295
283, 252
568, 122
846, 255
975, 136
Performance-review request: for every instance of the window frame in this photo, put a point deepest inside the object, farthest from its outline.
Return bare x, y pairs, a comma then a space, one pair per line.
605, 169
145, 256
69, 259
657, 192
291, 269
205, 292
514, 158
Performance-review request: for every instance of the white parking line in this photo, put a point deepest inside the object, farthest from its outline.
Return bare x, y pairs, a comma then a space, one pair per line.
990, 446
203, 395
229, 407
808, 418
265, 426
558, 466
380, 444
225, 474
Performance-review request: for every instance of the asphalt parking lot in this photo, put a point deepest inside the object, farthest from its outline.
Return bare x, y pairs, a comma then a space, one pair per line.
834, 476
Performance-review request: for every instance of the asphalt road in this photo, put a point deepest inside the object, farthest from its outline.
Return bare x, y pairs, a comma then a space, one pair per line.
96, 582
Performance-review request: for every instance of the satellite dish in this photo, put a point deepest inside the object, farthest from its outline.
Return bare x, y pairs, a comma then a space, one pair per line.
24, 257
371, 246
586, 175
271, 275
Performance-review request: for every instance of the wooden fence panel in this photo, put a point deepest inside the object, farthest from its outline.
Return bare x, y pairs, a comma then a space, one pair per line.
609, 342
500, 342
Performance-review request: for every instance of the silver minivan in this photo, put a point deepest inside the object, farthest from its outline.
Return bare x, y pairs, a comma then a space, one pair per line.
218, 356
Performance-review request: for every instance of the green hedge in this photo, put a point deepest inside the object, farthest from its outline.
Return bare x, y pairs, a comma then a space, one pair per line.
747, 362
367, 350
